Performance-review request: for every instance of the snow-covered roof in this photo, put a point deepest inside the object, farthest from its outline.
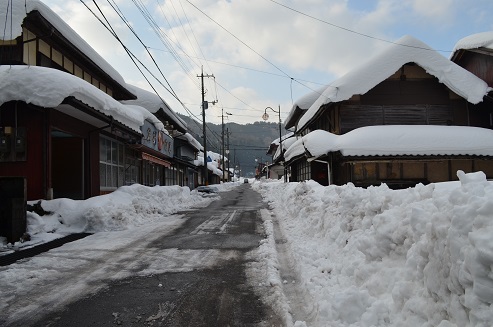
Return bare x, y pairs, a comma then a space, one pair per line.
283, 137
475, 41
287, 140
389, 140
193, 142
18, 10
47, 87
316, 143
211, 165
304, 103
382, 66
153, 103
148, 116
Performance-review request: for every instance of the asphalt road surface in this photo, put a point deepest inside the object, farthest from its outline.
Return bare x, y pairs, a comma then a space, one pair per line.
216, 295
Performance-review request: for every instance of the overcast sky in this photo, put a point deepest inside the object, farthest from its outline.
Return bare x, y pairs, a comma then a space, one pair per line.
263, 53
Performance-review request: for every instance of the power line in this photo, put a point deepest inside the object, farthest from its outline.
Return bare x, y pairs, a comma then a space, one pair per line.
134, 58
247, 68
354, 32
238, 39
253, 50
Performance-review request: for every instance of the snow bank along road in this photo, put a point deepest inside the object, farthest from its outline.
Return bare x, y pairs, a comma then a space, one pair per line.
200, 268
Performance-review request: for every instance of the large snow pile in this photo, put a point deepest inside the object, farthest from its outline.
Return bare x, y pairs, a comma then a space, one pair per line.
422, 256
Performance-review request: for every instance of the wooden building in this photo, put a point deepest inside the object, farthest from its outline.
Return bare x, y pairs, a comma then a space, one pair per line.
63, 123
475, 54
176, 167
407, 86
52, 102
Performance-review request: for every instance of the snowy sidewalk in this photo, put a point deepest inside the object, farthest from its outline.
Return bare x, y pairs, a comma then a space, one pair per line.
381, 257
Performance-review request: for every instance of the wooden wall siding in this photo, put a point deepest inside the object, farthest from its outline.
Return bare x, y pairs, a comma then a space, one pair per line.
34, 167
424, 91
408, 172
485, 166
480, 63
481, 115
355, 116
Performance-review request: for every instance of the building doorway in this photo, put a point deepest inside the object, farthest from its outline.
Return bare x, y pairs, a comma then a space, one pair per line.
67, 165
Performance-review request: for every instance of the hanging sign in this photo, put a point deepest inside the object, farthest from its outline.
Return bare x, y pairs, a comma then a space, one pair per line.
156, 139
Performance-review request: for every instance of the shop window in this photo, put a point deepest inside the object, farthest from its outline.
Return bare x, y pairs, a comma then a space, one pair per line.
111, 164
152, 173
304, 171
132, 167
169, 176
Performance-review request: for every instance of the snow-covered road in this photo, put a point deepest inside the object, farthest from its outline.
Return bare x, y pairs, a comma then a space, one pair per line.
189, 243
338, 255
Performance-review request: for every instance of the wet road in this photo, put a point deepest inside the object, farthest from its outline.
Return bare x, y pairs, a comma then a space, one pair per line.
218, 294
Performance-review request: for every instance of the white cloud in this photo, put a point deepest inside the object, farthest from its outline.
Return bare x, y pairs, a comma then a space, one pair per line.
290, 43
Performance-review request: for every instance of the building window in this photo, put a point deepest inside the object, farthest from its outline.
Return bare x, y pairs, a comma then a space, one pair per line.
152, 173
132, 167
44, 48
68, 65
87, 77
29, 56
50, 57
95, 82
303, 171
111, 164
169, 176
78, 71
57, 57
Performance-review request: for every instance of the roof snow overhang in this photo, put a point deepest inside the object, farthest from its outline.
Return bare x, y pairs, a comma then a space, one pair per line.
46, 24
49, 88
377, 69
158, 106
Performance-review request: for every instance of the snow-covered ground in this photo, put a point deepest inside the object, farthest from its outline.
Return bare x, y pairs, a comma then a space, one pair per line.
126, 208
422, 256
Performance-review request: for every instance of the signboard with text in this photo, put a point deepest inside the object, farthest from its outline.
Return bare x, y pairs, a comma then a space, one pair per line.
156, 139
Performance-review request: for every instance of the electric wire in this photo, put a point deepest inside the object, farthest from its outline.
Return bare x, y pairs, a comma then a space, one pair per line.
143, 65
9, 6
252, 69
253, 50
164, 39
352, 31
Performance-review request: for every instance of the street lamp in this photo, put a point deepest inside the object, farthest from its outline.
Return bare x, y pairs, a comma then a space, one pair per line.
265, 116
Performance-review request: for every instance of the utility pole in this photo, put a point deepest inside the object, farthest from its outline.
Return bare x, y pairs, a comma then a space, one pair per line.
222, 140
227, 147
205, 105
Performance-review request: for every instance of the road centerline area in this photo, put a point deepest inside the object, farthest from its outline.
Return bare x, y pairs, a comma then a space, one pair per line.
193, 275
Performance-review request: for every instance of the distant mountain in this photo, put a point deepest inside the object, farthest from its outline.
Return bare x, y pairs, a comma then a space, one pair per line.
246, 142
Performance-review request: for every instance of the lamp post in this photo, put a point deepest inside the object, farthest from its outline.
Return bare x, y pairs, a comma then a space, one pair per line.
265, 116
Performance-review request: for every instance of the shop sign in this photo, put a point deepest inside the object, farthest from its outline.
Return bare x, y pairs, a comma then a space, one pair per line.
156, 139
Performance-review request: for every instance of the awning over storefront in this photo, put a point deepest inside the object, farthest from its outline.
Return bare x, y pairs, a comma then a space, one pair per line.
156, 160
